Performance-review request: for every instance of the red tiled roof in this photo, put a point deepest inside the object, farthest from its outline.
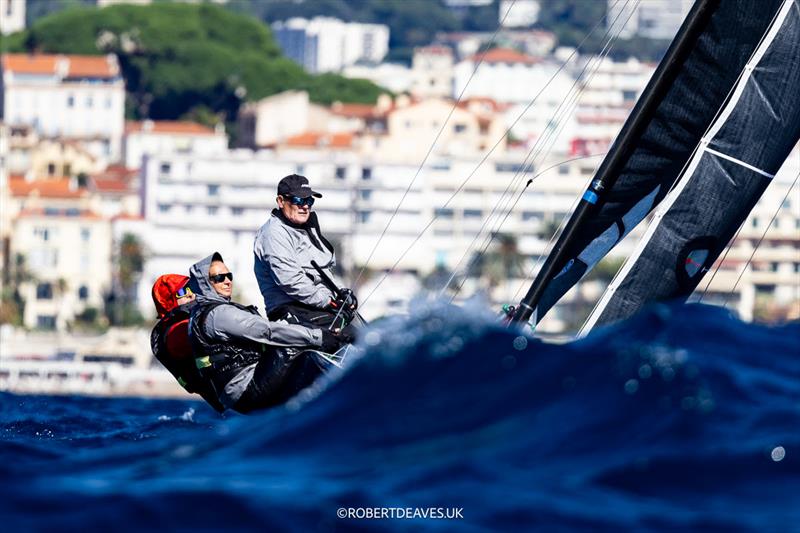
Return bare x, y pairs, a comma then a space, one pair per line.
110, 185
173, 127
503, 55
355, 110
49, 188
77, 66
329, 140
126, 216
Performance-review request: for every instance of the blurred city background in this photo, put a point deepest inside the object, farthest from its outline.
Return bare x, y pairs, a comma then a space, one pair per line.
450, 139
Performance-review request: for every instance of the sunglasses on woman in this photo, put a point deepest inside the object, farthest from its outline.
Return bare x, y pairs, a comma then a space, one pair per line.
298, 201
219, 278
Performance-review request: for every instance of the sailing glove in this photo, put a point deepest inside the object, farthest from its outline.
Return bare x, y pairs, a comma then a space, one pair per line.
330, 341
345, 305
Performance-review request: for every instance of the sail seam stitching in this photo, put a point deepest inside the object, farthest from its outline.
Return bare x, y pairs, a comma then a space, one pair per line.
739, 162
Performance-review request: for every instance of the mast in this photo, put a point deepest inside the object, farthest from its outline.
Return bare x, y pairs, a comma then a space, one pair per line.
609, 170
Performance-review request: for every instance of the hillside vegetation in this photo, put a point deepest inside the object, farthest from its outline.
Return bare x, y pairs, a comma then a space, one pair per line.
183, 60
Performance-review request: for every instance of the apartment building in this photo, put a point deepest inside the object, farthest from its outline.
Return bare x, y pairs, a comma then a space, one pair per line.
73, 97
161, 137
12, 16
325, 44
432, 71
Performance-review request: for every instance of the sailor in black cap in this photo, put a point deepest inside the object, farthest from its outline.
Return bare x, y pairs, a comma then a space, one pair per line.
284, 249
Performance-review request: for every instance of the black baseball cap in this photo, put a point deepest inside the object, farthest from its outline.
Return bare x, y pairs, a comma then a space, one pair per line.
296, 185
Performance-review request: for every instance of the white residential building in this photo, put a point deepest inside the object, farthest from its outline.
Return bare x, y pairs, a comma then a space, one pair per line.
518, 13
392, 76
325, 44
432, 70
12, 16
70, 96
68, 255
163, 137
276, 118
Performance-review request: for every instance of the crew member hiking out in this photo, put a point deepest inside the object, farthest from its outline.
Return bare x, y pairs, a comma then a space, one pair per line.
250, 362
169, 339
285, 248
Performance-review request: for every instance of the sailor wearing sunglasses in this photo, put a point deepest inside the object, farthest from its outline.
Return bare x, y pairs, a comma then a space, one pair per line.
242, 355
285, 248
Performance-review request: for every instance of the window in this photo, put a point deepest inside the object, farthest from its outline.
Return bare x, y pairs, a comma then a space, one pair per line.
473, 213
773, 267
366, 173
164, 208
365, 194
443, 212
86, 234
563, 170
511, 167
51, 169
301, 169
459, 128
44, 291
89, 101
43, 234
83, 293
212, 210
165, 168
755, 222
67, 169
629, 96
237, 211
189, 208
364, 216
70, 101
213, 190
341, 173
46, 322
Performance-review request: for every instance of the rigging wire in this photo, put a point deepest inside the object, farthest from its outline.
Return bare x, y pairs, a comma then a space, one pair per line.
763, 235
550, 137
433, 144
486, 156
536, 150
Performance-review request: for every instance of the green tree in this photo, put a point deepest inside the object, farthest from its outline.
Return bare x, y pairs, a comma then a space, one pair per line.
501, 262
121, 308
12, 304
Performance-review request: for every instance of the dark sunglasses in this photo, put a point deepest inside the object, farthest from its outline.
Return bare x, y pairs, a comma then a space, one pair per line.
183, 292
219, 278
296, 200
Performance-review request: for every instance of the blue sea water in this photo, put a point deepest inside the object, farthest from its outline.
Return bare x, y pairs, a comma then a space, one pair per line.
682, 418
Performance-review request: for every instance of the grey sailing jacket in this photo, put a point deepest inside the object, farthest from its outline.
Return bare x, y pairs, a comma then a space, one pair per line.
283, 254
227, 322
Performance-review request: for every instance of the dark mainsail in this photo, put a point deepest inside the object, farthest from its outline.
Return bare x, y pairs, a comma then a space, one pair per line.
735, 162
657, 142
